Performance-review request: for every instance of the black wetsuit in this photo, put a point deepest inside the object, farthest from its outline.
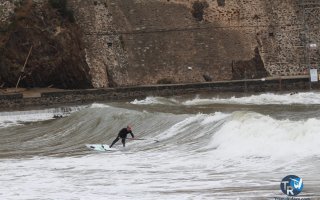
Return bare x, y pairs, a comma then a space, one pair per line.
123, 135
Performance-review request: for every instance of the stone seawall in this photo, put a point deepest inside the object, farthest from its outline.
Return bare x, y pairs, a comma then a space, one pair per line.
17, 101
121, 43
181, 41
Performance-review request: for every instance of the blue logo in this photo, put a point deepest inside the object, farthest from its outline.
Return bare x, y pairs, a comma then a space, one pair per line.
291, 185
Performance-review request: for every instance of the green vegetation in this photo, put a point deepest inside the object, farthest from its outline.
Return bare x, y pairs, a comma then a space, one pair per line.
61, 6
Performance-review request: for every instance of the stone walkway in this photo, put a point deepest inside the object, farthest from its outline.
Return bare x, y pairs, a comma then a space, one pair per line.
28, 93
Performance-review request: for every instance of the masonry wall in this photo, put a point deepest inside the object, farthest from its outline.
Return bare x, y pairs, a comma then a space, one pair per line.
142, 42
137, 42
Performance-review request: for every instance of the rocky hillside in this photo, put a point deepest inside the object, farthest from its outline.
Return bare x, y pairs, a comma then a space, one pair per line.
109, 43
57, 56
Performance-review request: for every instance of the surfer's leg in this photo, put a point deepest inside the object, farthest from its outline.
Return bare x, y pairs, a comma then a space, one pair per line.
116, 140
123, 140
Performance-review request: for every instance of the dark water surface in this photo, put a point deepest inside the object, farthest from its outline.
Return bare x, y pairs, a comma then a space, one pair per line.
225, 146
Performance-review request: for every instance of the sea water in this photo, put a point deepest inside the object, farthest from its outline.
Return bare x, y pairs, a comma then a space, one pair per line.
213, 146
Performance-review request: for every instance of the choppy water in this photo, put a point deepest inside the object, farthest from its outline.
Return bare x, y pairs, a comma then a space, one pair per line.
211, 147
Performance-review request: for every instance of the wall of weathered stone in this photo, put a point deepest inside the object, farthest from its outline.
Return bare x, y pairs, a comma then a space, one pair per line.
282, 30
137, 42
6, 10
41, 47
104, 53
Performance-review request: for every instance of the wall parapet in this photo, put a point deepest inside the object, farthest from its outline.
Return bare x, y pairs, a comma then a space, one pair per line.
11, 96
47, 99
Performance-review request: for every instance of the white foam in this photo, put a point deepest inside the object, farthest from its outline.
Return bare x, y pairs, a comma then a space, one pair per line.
218, 116
99, 105
142, 176
255, 135
16, 118
155, 100
198, 124
262, 99
146, 101
179, 127
225, 169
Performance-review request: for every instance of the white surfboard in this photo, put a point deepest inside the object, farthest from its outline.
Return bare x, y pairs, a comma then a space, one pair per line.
100, 147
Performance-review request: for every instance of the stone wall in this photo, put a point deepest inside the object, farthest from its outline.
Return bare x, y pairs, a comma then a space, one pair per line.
140, 42
104, 53
136, 42
282, 30
6, 10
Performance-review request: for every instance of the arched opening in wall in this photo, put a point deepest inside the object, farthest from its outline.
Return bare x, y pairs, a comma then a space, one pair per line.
221, 2
198, 9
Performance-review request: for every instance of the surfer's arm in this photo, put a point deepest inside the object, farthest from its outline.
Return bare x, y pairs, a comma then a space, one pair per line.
131, 134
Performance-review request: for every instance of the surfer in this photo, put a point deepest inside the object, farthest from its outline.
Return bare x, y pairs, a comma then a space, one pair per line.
123, 135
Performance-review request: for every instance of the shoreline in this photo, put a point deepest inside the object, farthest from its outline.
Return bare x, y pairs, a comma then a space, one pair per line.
50, 97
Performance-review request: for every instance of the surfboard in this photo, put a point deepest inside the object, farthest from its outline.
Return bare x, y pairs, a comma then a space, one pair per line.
100, 147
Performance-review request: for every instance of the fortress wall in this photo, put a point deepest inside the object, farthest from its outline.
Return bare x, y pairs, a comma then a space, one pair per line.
137, 42
141, 42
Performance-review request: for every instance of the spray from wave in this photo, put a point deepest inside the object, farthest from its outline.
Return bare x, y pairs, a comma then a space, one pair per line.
15, 118
262, 99
256, 135
155, 100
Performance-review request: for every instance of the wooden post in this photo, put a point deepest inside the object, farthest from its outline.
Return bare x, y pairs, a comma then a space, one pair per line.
25, 63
